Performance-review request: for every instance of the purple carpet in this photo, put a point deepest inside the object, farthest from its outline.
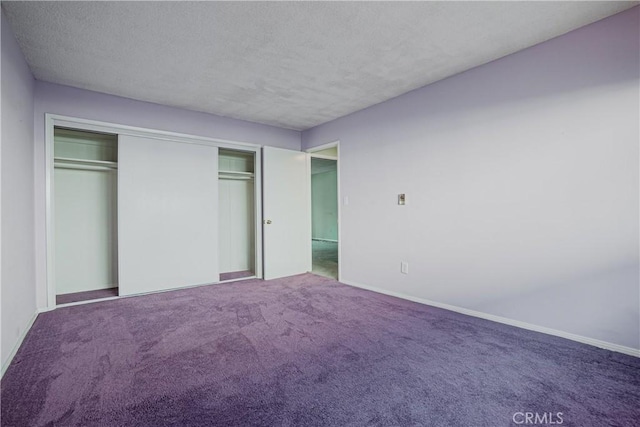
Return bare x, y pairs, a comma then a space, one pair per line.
304, 351
86, 295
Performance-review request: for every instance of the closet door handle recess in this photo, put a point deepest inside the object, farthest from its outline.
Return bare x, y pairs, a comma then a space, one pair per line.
267, 221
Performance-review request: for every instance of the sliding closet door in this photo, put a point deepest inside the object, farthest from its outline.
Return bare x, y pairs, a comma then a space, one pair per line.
167, 214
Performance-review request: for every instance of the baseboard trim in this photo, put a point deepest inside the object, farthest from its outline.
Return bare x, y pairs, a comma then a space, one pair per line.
21, 338
524, 325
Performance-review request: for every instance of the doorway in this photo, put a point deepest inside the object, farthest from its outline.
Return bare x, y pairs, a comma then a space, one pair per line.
236, 223
85, 206
324, 212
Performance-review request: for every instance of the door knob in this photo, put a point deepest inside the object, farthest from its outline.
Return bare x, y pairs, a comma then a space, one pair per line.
267, 221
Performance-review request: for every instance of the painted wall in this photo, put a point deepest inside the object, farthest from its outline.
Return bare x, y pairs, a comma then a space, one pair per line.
324, 205
68, 101
522, 186
17, 204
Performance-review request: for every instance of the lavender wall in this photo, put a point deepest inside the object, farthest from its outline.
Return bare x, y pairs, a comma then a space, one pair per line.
17, 205
68, 101
522, 186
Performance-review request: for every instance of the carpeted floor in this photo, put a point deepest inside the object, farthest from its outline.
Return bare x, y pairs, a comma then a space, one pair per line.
325, 258
303, 351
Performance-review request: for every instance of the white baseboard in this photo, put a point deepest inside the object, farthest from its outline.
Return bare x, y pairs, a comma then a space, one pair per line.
21, 338
579, 338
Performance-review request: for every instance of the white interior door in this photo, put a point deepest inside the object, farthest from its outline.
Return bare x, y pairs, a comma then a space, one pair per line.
286, 213
167, 214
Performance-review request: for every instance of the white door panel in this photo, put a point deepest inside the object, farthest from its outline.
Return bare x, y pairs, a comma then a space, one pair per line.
286, 213
167, 214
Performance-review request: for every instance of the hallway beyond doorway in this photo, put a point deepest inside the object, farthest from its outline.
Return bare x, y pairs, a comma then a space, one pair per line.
325, 258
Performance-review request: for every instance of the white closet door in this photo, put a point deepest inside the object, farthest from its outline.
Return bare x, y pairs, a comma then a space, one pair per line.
287, 215
167, 214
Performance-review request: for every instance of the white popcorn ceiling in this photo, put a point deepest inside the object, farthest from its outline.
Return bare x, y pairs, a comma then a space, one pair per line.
294, 65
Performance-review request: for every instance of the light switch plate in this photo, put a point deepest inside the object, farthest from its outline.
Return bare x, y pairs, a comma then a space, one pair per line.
404, 267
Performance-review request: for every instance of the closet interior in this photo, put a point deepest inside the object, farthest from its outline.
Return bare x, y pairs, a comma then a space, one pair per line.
85, 215
236, 191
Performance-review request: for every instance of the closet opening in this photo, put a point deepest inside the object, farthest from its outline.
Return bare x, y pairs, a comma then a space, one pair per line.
324, 212
237, 216
85, 215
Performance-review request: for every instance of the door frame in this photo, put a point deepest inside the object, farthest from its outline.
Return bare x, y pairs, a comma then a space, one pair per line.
311, 152
56, 120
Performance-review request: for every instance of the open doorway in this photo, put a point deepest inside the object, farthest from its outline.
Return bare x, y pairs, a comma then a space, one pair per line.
324, 212
85, 179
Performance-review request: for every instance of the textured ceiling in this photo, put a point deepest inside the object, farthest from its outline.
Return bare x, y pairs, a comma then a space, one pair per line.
293, 65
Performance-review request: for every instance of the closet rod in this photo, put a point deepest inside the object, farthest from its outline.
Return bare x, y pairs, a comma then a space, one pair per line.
69, 160
84, 164
235, 173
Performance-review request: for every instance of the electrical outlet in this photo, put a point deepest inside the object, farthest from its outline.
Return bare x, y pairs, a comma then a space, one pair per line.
404, 267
